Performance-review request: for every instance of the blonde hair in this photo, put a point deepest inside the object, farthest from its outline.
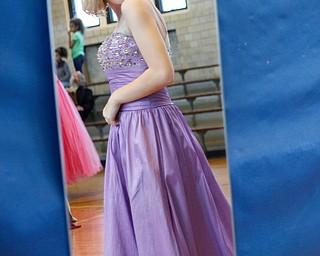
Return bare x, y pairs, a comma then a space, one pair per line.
95, 7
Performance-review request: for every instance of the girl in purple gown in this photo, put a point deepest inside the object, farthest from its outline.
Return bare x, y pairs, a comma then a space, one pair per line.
161, 197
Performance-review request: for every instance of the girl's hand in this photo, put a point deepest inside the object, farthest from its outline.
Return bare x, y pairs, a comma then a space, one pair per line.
80, 108
110, 111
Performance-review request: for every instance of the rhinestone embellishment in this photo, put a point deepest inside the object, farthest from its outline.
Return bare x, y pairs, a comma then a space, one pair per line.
119, 50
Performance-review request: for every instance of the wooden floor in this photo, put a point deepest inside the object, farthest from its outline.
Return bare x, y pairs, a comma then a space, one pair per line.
86, 200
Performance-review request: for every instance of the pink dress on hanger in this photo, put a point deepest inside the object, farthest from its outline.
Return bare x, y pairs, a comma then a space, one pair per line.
80, 156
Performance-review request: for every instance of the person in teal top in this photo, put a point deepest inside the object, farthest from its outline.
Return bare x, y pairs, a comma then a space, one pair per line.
76, 42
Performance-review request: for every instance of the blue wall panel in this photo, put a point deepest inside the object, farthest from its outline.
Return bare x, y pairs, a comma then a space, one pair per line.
270, 56
33, 215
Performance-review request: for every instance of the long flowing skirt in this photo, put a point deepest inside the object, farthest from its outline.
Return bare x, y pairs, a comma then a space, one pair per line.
161, 197
80, 155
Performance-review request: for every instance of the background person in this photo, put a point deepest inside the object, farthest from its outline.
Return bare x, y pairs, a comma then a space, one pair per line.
81, 95
62, 67
76, 42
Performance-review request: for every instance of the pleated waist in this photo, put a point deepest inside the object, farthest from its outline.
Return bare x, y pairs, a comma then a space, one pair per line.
158, 99
122, 76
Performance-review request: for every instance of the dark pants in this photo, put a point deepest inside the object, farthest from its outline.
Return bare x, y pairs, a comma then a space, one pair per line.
78, 62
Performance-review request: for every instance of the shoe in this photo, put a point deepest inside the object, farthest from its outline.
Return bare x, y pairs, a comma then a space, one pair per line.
74, 226
73, 219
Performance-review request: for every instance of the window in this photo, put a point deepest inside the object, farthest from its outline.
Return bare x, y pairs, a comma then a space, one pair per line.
75, 7
111, 16
170, 5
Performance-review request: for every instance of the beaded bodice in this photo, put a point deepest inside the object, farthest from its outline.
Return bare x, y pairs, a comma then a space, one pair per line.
122, 63
119, 50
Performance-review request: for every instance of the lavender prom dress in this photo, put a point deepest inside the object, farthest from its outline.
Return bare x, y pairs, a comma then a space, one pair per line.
161, 197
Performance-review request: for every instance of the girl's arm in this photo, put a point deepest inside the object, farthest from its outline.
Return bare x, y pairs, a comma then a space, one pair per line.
71, 42
151, 44
67, 73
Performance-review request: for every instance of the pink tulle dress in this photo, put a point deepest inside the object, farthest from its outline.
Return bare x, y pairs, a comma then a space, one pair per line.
80, 155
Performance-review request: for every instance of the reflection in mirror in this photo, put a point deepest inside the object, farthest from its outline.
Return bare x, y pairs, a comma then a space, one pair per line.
196, 90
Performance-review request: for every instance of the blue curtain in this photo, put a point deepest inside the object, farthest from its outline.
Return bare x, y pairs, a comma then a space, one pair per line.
33, 213
270, 56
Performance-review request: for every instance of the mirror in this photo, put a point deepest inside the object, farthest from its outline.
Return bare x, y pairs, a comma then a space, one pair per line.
196, 90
